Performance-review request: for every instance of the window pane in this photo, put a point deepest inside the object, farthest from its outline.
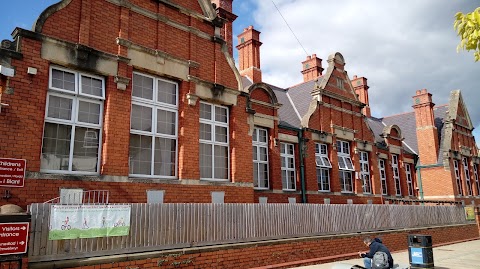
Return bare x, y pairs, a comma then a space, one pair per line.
255, 135
254, 153
166, 122
319, 161
88, 112
290, 149
206, 131
221, 162
206, 161
59, 107
85, 149
341, 163
165, 152
326, 161
291, 163
349, 163
63, 80
92, 86
56, 147
205, 111
167, 92
221, 134
141, 118
255, 175
323, 149
317, 148
339, 146
263, 175
142, 87
263, 136
140, 154
220, 114
263, 154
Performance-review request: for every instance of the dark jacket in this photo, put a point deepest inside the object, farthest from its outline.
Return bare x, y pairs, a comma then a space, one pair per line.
375, 246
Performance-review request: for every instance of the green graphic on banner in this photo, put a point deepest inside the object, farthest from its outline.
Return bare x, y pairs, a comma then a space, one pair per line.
88, 221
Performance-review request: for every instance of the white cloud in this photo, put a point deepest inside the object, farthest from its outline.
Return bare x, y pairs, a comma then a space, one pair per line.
400, 46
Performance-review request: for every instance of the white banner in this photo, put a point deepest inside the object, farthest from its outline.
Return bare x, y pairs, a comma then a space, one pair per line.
88, 221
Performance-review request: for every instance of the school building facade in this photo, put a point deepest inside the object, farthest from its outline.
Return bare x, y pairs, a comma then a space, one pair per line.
144, 99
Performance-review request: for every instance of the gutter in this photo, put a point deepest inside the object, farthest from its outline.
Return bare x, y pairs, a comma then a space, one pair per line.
301, 143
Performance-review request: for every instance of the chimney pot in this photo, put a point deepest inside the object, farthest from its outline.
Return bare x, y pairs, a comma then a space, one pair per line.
355, 77
309, 57
418, 92
314, 55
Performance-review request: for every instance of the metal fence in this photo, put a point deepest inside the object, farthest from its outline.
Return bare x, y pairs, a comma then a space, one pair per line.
169, 226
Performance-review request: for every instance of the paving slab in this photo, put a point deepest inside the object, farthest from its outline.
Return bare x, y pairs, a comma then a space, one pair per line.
465, 255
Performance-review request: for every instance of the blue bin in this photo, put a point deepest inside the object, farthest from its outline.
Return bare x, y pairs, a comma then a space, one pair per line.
420, 252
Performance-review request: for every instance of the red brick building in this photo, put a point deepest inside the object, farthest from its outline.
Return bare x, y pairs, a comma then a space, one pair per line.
143, 99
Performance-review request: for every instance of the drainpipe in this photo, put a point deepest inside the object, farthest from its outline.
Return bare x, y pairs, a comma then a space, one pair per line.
419, 174
301, 141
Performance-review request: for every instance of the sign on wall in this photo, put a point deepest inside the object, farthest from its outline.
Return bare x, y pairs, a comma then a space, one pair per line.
88, 221
470, 213
13, 238
12, 172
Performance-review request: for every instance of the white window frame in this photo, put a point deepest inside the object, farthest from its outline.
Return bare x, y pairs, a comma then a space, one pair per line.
285, 156
466, 172
155, 105
345, 170
457, 177
475, 174
212, 122
257, 145
323, 167
408, 172
396, 175
383, 177
365, 172
76, 96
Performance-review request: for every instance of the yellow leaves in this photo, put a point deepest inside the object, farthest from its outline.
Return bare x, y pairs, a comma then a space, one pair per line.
468, 29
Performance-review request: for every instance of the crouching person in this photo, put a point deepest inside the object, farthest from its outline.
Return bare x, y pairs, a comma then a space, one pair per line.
378, 257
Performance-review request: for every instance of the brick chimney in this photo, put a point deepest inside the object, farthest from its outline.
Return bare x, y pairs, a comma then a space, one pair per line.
427, 133
224, 11
312, 68
361, 89
249, 54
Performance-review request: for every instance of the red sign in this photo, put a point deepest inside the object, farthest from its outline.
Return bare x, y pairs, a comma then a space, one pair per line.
13, 238
12, 172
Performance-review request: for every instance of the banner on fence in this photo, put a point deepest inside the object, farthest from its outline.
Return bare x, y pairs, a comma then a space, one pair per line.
470, 212
88, 221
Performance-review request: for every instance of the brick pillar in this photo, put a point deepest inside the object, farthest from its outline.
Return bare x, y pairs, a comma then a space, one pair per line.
361, 89
249, 54
312, 68
426, 130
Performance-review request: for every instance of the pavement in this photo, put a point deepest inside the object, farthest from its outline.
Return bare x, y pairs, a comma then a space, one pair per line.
464, 255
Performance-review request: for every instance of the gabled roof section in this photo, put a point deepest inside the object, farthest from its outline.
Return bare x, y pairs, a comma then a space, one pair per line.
408, 126
458, 110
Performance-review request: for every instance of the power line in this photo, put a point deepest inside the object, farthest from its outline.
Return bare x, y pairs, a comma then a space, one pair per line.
290, 28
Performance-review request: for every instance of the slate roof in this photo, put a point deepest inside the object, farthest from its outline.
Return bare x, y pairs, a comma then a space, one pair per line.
296, 100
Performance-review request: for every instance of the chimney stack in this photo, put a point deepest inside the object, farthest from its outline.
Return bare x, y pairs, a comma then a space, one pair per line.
224, 11
427, 133
249, 54
361, 89
312, 68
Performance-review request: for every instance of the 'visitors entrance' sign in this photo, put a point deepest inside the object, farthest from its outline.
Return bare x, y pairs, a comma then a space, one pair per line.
13, 238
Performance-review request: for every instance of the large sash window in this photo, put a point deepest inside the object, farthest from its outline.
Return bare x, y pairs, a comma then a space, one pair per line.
153, 127
73, 122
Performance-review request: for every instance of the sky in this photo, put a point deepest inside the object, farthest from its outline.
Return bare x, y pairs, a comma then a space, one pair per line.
400, 46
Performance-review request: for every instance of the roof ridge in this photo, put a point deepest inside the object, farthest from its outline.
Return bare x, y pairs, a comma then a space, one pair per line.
404, 113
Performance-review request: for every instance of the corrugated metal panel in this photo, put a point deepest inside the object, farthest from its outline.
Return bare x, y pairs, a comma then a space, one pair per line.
169, 226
